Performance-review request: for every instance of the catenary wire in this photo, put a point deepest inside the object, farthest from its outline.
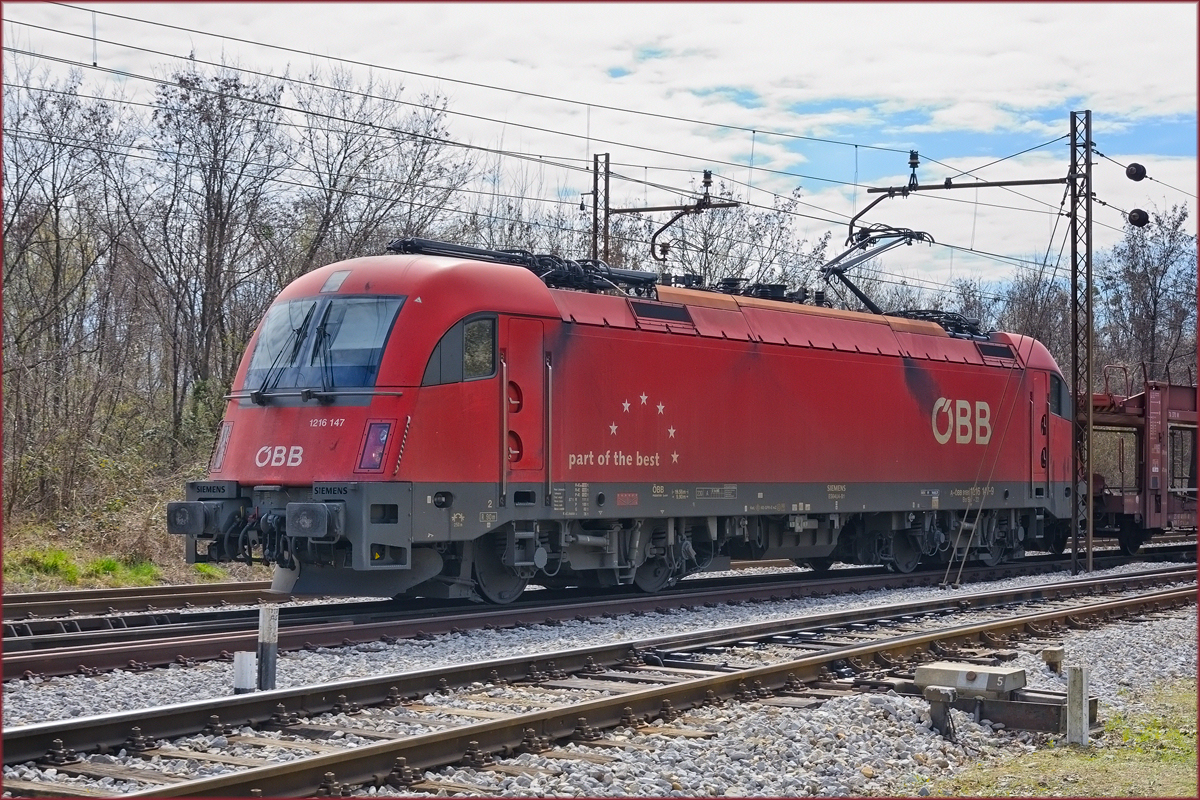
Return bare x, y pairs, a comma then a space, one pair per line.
550, 131
567, 166
1148, 177
544, 130
651, 114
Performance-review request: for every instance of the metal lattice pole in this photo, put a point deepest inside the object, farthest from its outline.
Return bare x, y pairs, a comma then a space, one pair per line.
596, 206
1081, 329
607, 176
600, 166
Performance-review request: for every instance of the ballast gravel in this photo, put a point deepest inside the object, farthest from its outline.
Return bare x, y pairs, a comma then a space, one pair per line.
869, 744
864, 745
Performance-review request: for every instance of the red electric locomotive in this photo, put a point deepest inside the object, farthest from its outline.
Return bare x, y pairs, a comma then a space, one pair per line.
446, 421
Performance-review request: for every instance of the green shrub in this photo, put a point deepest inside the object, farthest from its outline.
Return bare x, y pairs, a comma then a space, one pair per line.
127, 571
209, 572
141, 572
103, 566
52, 563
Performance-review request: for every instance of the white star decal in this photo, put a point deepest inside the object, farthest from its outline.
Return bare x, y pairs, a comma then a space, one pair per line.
674, 458
613, 428
660, 408
671, 432
625, 405
644, 398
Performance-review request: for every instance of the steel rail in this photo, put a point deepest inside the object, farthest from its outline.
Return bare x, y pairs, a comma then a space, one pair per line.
28, 742
372, 763
106, 631
21, 606
338, 632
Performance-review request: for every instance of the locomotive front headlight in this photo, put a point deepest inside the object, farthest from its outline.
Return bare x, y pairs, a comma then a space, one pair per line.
375, 445
315, 520
305, 523
187, 518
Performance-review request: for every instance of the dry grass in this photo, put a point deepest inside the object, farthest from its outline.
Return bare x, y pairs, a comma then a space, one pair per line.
121, 545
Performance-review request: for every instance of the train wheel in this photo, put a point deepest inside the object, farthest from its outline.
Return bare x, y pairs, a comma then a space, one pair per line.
495, 582
820, 564
993, 555
905, 552
1058, 543
652, 576
1130, 539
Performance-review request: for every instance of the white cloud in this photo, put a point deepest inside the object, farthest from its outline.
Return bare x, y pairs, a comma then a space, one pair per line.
894, 75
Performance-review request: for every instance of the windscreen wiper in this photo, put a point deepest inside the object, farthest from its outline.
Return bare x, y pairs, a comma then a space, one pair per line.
323, 351
259, 396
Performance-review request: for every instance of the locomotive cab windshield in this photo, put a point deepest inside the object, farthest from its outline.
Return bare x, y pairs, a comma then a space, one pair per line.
321, 343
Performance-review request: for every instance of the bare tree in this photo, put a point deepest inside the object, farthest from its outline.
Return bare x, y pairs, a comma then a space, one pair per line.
141, 250
204, 209
1037, 303
371, 167
974, 299
1147, 309
67, 337
758, 245
499, 215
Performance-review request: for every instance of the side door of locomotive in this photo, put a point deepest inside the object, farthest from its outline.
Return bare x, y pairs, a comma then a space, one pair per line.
524, 411
1039, 433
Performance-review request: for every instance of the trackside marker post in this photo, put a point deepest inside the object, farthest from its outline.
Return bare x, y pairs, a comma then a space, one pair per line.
268, 645
243, 672
1077, 705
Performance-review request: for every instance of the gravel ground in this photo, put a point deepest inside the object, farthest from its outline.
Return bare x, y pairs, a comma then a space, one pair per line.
847, 746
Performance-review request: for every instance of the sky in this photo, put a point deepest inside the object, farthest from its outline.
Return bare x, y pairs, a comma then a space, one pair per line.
826, 98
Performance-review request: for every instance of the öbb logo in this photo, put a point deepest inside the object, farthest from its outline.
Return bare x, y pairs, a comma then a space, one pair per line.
279, 456
953, 417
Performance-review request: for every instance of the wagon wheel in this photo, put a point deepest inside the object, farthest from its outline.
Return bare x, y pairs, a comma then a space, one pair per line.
1058, 542
1130, 538
905, 552
652, 576
495, 582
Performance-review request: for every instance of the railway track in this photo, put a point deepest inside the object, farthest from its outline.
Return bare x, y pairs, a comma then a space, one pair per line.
149, 599
29, 613
560, 705
185, 638
51, 608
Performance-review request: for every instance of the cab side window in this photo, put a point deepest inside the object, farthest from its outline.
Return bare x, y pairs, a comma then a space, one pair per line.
466, 352
479, 348
1060, 397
